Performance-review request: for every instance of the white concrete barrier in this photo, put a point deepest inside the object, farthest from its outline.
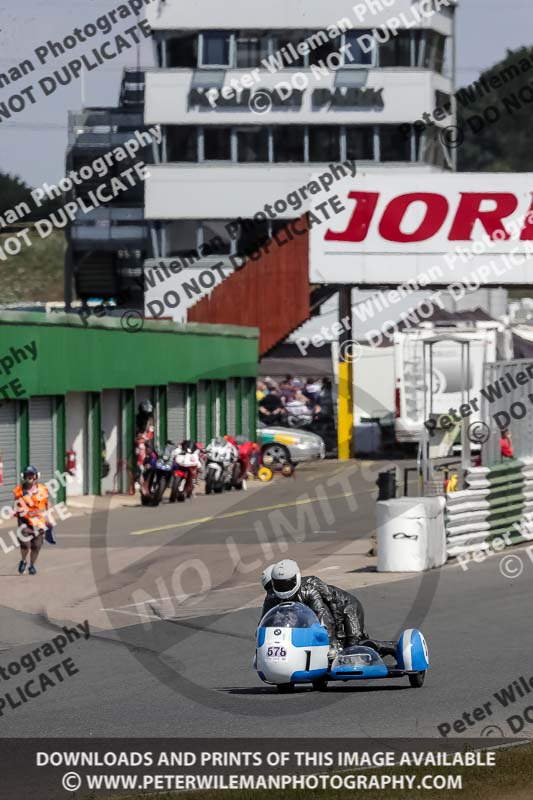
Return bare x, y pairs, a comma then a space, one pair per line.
411, 536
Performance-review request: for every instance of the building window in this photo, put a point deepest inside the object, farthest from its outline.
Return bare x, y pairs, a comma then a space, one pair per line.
430, 48
182, 143
356, 55
324, 143
251, 48
289, 143
288, 43
322, 50
181, 238
216, 49
360, 143
439, 53
214, 238
182, 50
397, 51
251, 235
394, 145
217, 144
252, 144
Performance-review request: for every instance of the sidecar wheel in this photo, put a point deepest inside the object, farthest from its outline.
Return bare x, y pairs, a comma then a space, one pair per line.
417, 681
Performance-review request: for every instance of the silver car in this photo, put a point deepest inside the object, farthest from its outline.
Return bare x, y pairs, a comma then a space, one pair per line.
290, 445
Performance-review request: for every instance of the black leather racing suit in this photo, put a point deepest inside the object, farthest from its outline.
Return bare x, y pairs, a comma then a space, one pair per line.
308, 594
349, 617
347, 612
347, 626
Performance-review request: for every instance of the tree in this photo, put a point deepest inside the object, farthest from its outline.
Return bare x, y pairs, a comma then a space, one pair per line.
12, 192
496, 115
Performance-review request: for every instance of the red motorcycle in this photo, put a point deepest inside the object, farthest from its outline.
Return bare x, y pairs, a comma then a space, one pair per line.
185, 471
242, 467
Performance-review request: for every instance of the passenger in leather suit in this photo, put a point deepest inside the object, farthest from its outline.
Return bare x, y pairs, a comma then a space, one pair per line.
340, 612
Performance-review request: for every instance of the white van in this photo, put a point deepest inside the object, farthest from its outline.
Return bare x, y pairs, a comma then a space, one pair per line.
452, 383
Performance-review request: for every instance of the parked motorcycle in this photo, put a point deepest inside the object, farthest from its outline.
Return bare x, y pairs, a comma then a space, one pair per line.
185, 469
221, 457
241, 467
156, 475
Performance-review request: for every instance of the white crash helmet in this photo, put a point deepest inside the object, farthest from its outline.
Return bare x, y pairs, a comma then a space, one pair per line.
286, 579
266, 576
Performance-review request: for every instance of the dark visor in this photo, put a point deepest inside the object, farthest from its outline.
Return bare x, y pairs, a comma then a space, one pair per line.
284, 584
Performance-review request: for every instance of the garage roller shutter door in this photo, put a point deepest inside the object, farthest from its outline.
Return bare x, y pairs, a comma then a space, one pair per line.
8, 450
42, 436
177, 412
245, 407
231, 407
202, 398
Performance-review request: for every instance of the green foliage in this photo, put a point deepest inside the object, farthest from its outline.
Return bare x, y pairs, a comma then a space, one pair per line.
12, 191
36, 273
505, 144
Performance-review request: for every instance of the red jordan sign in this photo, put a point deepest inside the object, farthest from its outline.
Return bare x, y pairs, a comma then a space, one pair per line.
398, 227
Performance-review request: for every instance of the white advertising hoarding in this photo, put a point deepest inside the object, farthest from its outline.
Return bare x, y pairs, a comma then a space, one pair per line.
429, 229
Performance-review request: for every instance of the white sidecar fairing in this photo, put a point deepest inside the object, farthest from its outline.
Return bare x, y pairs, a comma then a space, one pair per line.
292, 646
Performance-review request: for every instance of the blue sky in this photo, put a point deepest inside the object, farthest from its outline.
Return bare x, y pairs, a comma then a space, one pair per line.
33, 146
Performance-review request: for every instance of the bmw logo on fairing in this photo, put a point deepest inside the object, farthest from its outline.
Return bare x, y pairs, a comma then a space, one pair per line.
277, 632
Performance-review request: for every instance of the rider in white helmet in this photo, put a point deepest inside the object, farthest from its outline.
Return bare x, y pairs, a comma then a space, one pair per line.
287, 584
340, 612
286, 579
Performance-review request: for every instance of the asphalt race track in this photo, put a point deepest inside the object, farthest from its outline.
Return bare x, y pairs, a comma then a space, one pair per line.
190, 674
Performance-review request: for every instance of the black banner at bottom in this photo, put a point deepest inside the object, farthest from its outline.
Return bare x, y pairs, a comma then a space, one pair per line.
49, 769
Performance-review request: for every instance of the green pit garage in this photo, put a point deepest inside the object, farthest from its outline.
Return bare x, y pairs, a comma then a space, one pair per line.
72, 386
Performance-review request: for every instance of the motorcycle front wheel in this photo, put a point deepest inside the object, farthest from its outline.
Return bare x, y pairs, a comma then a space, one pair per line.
173, 490
159, 491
